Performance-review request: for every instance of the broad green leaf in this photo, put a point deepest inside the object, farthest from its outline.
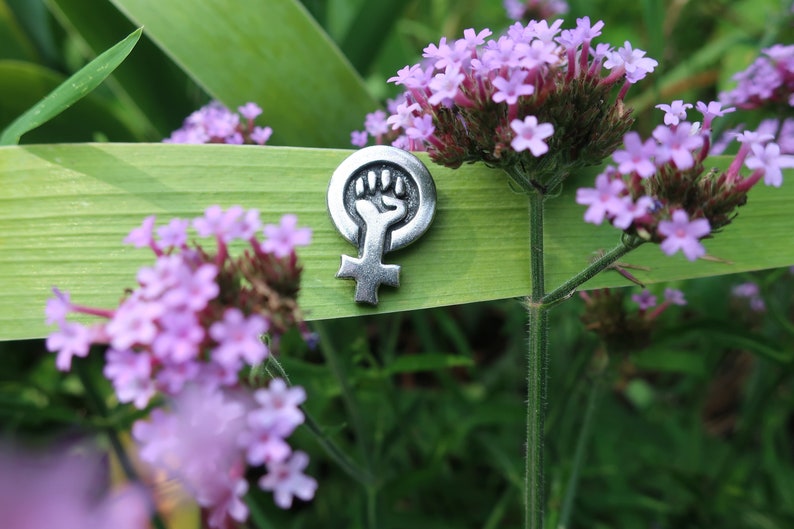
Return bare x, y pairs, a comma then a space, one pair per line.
153, 89
271, 52
426, 362
369, 30
23, 84
71, 90
64, 210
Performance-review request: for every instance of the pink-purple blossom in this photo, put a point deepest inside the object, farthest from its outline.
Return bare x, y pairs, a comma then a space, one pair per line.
529, 134
768, 159
214, 123
645, 300
604, 199
675, 112
287, 480
682, 234
282, 239
637, 157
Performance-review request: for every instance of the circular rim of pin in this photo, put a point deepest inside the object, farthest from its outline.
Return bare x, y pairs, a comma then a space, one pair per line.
412, 165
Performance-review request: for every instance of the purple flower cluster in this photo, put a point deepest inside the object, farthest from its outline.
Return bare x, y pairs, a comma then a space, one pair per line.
660, 192
534, 100
214, 123
64, 490
196, 320
752, 293
769, 80
534, 9
625, 328
209, 439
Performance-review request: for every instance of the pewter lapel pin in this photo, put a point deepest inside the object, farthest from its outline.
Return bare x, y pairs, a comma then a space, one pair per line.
380, 199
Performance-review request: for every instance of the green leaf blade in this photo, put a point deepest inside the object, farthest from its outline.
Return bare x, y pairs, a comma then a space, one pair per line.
73, 89
272, 53
64, 210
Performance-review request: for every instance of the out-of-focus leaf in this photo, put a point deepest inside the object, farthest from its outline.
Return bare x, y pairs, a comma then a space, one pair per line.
153, 89
22, 85
373, 23
14, 44
64, 210
271, 52
426, 362
70, 91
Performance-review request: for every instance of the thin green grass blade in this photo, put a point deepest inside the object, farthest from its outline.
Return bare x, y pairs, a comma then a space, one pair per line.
73, 89
151, 87
24, 84
271, 52
64, 210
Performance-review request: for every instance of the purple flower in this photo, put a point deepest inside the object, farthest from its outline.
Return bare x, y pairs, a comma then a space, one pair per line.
58, 307
269, 424
682, 234
421, 128
636, 65
530, 135
249, 110
674, 297
130, 374
631, 211
677, 145
509, 90
65, 489
768, 159
644, 299
281, 240
375, 123
674, 112
638, 156
179, 338
196, 444
444, 86
71, 339
239, 338
174, 234
603, 200
404, 116
141, 236
359, 138
134, 323
286, 479
260, 135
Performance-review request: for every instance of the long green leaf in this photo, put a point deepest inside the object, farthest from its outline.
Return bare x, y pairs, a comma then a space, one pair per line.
23, 85
271, 52
64, 210
73, 89
151, 87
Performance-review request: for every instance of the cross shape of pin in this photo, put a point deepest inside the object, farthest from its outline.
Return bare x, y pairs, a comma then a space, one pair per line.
380, 199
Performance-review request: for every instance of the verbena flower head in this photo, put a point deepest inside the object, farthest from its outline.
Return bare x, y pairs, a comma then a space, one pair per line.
538, 101
214, 123
661, 192
525, 10
768, 81
626, 326
193, 326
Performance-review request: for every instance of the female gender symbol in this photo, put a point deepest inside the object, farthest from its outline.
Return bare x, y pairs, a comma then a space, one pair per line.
380, 199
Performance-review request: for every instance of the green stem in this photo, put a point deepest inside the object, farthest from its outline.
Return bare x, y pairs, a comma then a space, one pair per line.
332, 358
115, 441
537, 369
331, 448
578, 457
336, 453
564, 291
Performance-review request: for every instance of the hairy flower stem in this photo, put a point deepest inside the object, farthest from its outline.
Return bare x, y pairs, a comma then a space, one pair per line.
566, 290
115, 441
537, 369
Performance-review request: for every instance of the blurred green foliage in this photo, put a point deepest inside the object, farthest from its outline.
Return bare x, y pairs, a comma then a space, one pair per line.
692, 429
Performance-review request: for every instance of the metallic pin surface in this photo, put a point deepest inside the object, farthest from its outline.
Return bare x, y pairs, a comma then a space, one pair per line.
380, 199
